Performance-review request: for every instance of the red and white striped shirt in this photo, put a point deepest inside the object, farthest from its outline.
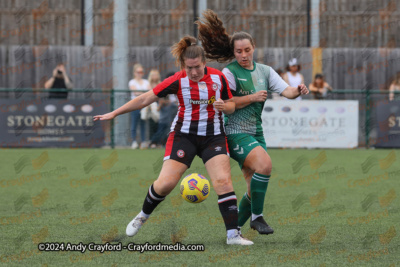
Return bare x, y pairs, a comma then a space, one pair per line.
196, 113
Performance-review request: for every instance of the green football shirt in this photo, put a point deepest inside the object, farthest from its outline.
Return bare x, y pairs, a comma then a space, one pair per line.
244, 82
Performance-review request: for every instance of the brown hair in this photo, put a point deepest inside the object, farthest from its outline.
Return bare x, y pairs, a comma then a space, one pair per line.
187, 48
217, 43
318, 76
298, 67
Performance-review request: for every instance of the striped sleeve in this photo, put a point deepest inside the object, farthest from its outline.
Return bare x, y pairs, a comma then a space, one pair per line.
168, 86
225, 91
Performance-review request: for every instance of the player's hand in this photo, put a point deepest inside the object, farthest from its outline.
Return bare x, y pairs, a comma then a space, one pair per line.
303, 90
219, 104
260, 96
104, 117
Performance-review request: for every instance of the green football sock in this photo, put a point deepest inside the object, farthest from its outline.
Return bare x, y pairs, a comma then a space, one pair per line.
258, 188
244, 210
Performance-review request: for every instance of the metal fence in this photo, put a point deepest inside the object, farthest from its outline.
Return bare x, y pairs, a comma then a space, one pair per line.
369, 102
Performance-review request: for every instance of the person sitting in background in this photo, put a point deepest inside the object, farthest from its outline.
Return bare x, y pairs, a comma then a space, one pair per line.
140, 86
319, 87
293, 77
60, 80
394, 86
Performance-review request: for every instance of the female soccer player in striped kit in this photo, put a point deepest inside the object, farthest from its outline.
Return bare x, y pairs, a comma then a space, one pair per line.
248, 82
198, 129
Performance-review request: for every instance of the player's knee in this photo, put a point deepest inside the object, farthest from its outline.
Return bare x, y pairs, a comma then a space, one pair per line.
222, 183
264, 168
163, 188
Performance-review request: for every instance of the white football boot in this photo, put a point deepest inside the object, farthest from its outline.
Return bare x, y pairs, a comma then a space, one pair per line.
134, 225
238, 239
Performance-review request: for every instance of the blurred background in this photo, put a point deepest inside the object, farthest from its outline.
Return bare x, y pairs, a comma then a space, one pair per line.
61, 62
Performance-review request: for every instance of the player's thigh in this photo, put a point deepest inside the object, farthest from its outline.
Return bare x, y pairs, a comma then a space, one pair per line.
171, 173
240, 145
181, 148
219, 170
258, 161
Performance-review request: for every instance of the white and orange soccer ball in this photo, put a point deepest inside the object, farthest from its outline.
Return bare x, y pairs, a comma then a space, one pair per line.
195, 188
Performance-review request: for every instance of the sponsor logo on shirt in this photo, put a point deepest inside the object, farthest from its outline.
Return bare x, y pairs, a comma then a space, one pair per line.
243, 92
240, 79
203, 101
261, 81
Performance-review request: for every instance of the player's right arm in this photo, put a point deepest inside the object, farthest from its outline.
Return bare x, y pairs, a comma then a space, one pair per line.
138, 103
168, 86
243, 101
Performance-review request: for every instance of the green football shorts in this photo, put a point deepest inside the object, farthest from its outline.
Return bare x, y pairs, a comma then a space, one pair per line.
241, 144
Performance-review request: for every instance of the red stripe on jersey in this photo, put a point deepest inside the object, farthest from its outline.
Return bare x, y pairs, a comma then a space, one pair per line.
181, 111
168, 145
194, 95
210, 108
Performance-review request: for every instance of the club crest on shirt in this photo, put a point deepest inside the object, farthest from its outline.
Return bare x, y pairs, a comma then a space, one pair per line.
215, 86
202, 86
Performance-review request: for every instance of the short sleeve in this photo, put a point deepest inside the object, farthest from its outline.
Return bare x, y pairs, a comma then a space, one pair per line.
225, 92
131, 82
231, 79
276, 83
168, 86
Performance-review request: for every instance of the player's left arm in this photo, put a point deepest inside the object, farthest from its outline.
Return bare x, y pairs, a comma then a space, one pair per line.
277, 84
293, 92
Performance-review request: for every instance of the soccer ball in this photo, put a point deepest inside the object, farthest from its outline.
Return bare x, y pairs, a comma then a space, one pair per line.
195, 188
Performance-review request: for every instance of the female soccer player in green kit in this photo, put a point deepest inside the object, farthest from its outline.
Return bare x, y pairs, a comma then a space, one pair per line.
248, 82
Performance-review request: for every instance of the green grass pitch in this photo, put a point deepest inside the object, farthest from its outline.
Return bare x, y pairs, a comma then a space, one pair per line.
328, 208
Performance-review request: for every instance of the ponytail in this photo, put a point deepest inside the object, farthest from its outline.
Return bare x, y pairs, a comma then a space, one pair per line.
187, 48
216, 42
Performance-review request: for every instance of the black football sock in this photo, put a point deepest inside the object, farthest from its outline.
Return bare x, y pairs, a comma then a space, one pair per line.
151, 201
228, 207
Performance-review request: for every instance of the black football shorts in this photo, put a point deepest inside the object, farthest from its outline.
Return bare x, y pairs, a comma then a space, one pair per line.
184, 147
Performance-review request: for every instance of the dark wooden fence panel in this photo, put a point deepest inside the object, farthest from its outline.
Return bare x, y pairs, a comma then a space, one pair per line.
346, 23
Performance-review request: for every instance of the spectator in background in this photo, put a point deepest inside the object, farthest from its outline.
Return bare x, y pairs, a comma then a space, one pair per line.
280, 72
151, 114
139, 86
394, 86
60, 80
167, 107
293, 76
173, 107
319, 87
